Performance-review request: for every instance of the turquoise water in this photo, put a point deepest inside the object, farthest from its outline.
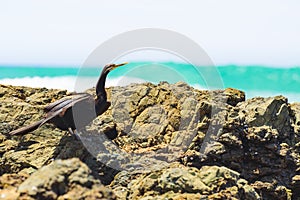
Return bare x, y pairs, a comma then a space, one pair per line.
251, 79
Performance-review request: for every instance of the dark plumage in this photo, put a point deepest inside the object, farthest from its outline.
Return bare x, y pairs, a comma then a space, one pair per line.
74, 111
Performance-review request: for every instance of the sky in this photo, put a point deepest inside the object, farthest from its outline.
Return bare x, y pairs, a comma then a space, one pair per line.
65, 32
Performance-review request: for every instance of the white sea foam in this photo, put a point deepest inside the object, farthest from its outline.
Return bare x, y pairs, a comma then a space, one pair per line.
83, 83
70, 83
199, 87
292, 96
65, 82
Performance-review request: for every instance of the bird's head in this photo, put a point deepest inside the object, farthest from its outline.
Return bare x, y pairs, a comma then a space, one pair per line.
110, 67
100, 91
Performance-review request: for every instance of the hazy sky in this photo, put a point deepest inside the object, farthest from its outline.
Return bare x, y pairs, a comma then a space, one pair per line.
233, 31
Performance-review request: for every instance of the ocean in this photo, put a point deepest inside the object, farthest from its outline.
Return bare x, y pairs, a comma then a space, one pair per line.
253, 80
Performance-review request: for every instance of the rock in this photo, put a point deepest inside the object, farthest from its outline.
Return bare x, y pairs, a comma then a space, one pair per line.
234, 96
296, 186
272, 111
164, 116
272, 190
255, 138
64, 179
8, 181
295, 114
249, 147
178, 181
9, 184
9, 194
21, 106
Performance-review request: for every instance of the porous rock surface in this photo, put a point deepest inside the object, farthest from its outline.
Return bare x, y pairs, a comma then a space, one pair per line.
165, 141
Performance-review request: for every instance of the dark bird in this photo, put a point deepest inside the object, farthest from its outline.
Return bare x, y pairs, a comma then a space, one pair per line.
74, 111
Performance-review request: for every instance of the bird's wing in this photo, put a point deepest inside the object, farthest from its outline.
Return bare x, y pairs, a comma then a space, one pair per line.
55, 103
64, 101
51, 115
62, 106
76, 99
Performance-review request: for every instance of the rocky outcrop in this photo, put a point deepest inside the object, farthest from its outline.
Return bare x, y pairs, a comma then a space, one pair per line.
255, 138
181, 182
155, 142
62, 179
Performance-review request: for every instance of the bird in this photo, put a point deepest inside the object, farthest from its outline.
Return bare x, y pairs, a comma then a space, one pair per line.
75, 111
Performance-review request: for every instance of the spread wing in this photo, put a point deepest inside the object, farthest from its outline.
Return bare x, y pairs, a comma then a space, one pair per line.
64, 101
54, 109
62, 105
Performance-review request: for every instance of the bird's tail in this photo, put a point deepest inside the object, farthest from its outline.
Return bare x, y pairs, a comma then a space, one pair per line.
27, 129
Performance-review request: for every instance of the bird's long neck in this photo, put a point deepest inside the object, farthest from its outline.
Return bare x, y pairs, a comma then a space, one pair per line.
100, 87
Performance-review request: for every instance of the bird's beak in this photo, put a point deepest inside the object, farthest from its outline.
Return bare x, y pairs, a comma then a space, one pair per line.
114, 66
119, 65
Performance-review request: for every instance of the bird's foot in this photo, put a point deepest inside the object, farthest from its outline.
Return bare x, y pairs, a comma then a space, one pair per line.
74, 134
